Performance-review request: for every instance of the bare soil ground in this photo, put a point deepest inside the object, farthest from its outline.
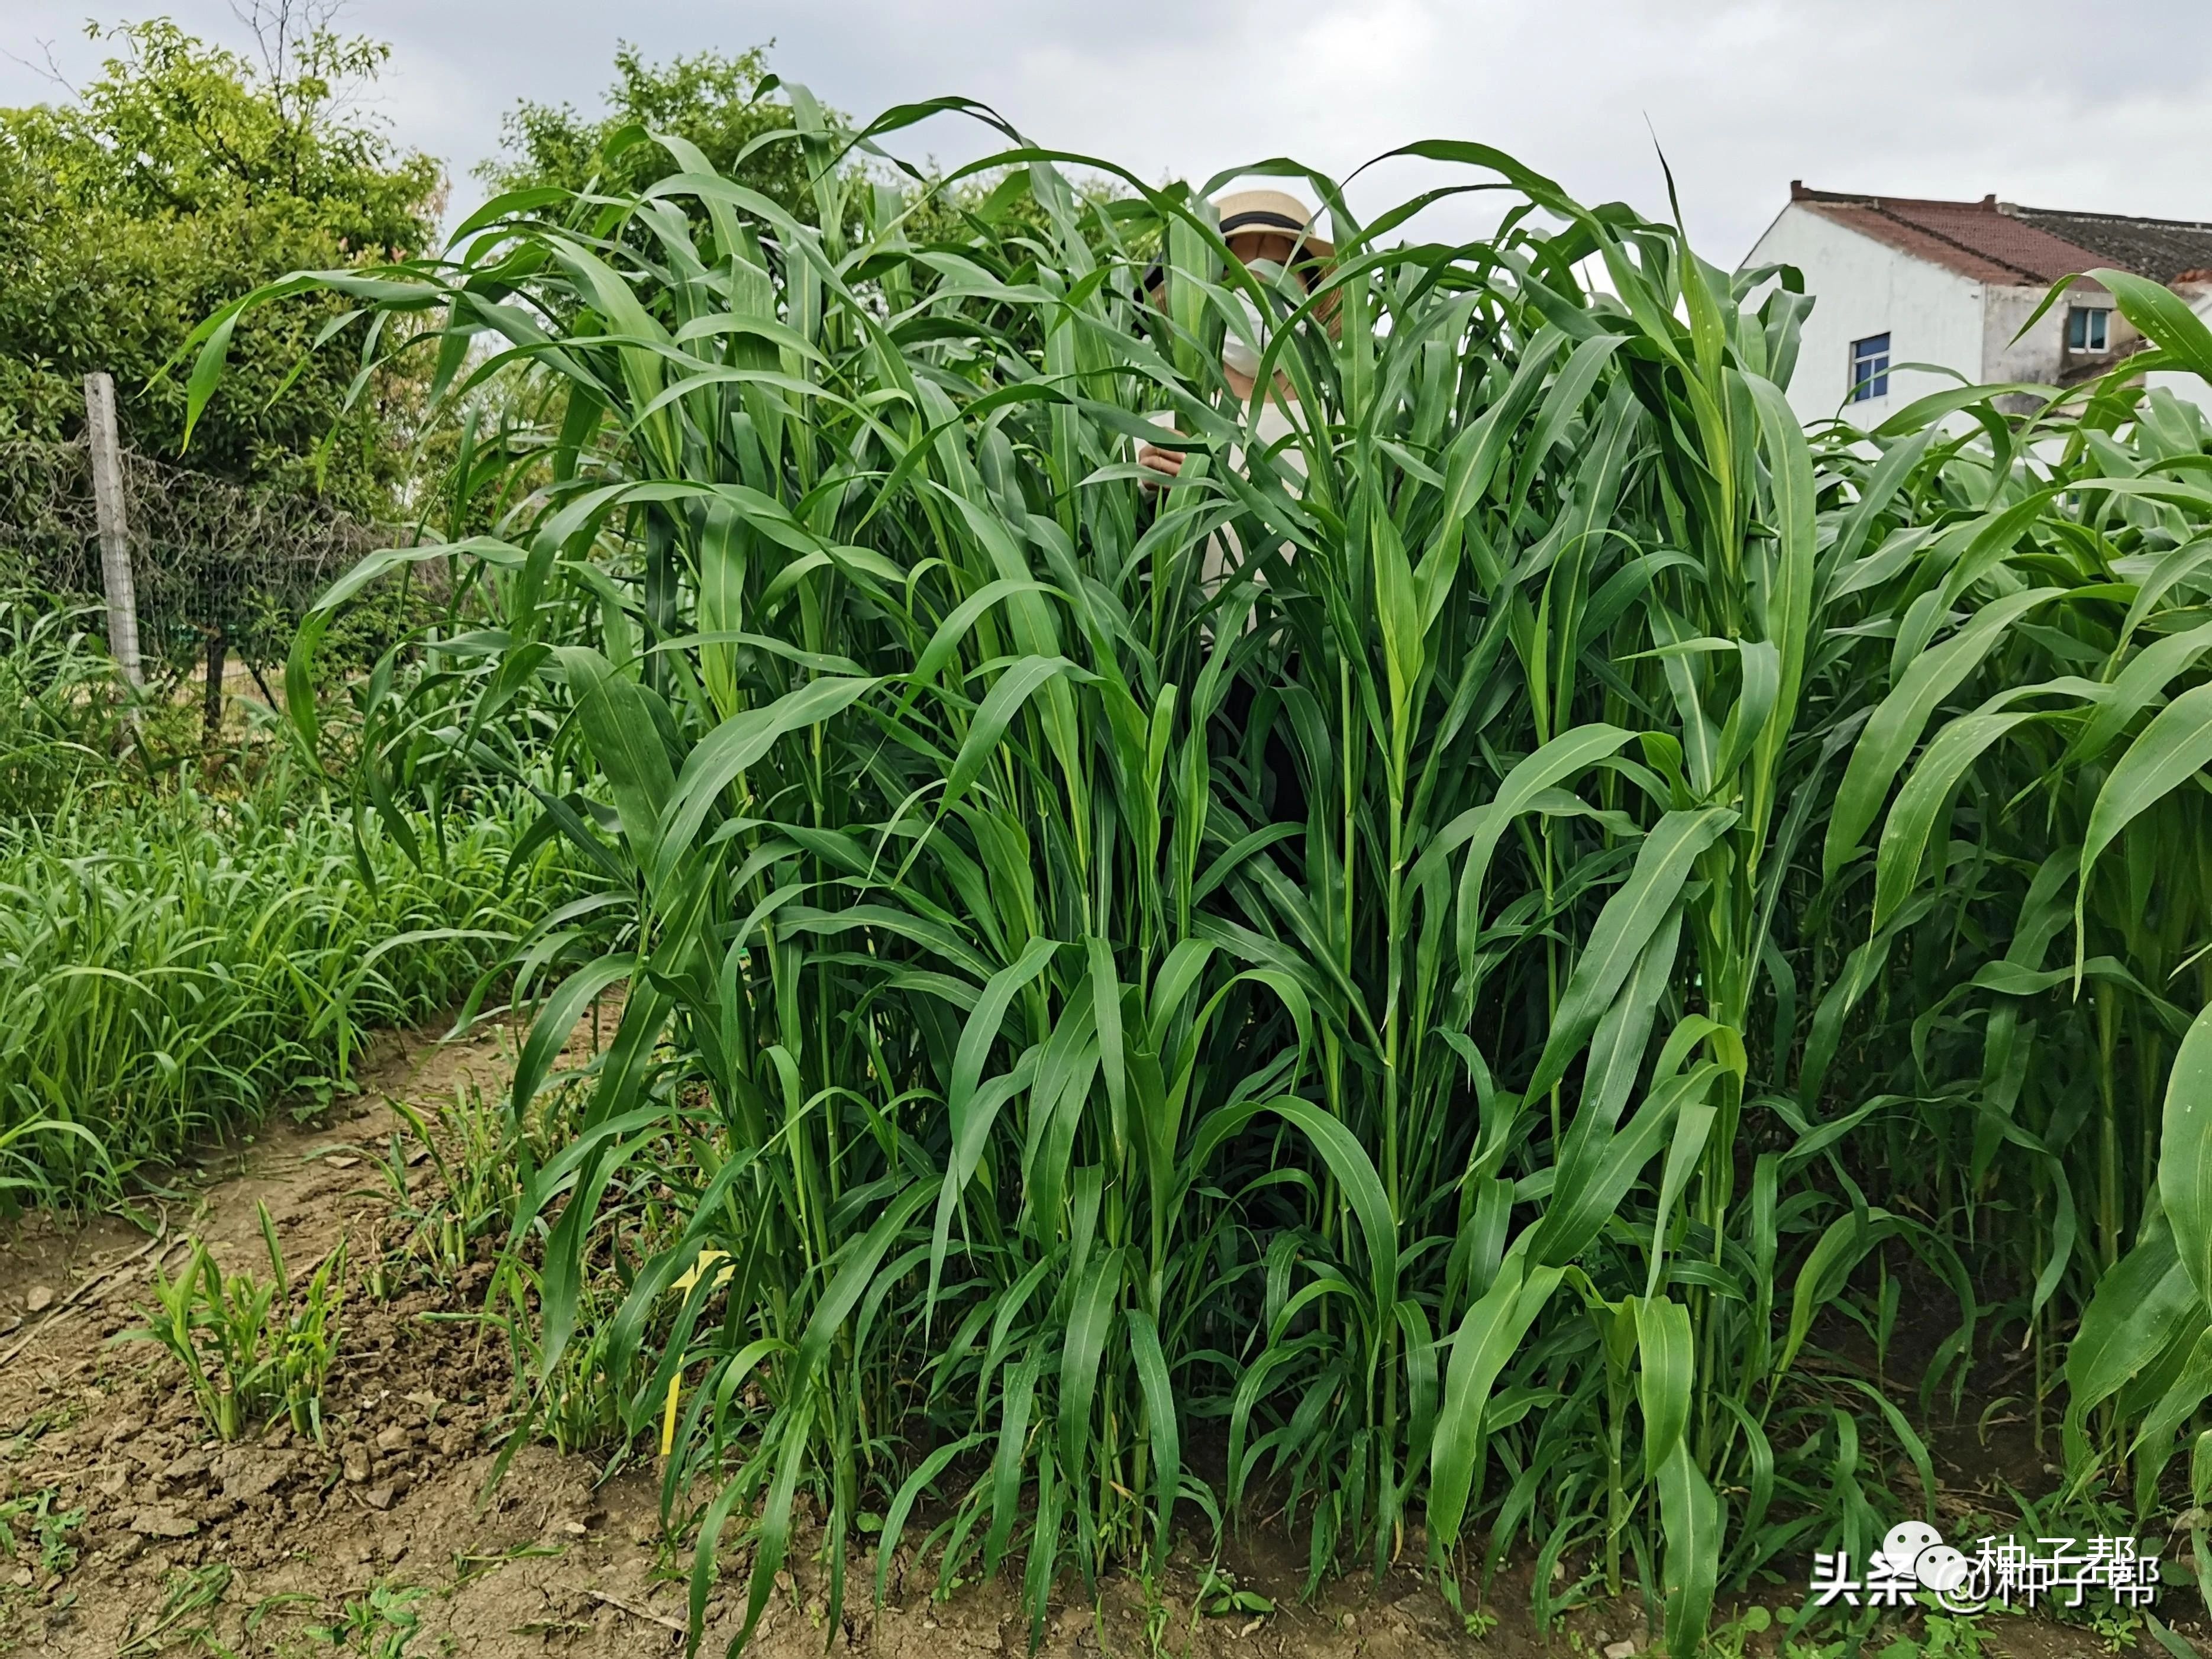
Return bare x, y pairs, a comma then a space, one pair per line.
389, 1538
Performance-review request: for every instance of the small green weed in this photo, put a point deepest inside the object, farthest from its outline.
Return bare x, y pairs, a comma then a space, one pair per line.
2117, 1627
42, 1422
472, 1149
379, 1624
468, 1566
190, 1592
1219, 1597
1941, 1637
1729, 1639
250, 1349
315, 1096
32, 1531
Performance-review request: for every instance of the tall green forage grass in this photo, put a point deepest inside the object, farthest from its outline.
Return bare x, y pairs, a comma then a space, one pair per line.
2017, 858
1503, 1145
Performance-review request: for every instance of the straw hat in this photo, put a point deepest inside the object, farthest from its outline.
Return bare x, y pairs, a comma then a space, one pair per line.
1246, 212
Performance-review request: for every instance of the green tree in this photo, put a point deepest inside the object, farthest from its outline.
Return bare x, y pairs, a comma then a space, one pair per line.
182, 178
724, 105
747, 123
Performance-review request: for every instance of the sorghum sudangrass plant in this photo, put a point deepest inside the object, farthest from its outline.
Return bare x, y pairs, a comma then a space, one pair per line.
171, 966
1380, 1011
468, 1213
250, 1349
564, 1395
2034, 905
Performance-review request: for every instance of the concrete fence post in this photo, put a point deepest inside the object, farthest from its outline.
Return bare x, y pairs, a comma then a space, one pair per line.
107, 496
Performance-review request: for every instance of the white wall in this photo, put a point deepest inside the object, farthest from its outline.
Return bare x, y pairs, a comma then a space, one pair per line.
1865, 287
2041, 353
2041, 356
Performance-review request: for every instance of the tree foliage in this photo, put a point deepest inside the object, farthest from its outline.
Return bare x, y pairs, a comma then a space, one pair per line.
181, 178
724, 105
753, 129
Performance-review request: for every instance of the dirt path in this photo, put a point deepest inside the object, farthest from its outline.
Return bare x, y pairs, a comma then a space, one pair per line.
128, 1533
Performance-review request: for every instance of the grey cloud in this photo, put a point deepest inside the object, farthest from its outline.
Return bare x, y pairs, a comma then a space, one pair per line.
2040, 100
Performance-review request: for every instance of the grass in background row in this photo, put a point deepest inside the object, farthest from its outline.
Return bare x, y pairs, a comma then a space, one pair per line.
172, 966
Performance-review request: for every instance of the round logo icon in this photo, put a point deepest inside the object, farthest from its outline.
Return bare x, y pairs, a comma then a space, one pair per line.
1905, 1543
1941, 1568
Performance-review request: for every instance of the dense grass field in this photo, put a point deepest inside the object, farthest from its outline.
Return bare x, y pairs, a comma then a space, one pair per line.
187, 941
1465, 1031
171, 968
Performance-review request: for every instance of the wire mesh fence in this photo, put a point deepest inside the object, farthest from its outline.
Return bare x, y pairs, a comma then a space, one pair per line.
222, 572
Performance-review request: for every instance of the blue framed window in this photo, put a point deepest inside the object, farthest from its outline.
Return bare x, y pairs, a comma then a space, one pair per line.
1870, 367
2085, 328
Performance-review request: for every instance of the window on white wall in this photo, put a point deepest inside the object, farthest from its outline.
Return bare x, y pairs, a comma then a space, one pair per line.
1870, 367
2085, 328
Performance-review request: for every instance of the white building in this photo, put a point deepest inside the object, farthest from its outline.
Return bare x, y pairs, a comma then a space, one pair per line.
1900, 280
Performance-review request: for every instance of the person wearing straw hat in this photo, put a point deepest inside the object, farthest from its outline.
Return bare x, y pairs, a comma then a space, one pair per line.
1260, 227
1268, 226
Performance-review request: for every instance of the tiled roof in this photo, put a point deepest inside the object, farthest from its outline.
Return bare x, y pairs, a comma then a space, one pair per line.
1994, 241
1982, 240
2164, 249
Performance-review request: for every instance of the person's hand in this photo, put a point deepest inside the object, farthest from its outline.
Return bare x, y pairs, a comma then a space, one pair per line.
1166, 462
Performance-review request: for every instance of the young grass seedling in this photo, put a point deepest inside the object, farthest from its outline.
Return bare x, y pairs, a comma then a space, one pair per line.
250, 1349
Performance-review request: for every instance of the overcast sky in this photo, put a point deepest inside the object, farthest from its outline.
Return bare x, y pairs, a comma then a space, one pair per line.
2056, 105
